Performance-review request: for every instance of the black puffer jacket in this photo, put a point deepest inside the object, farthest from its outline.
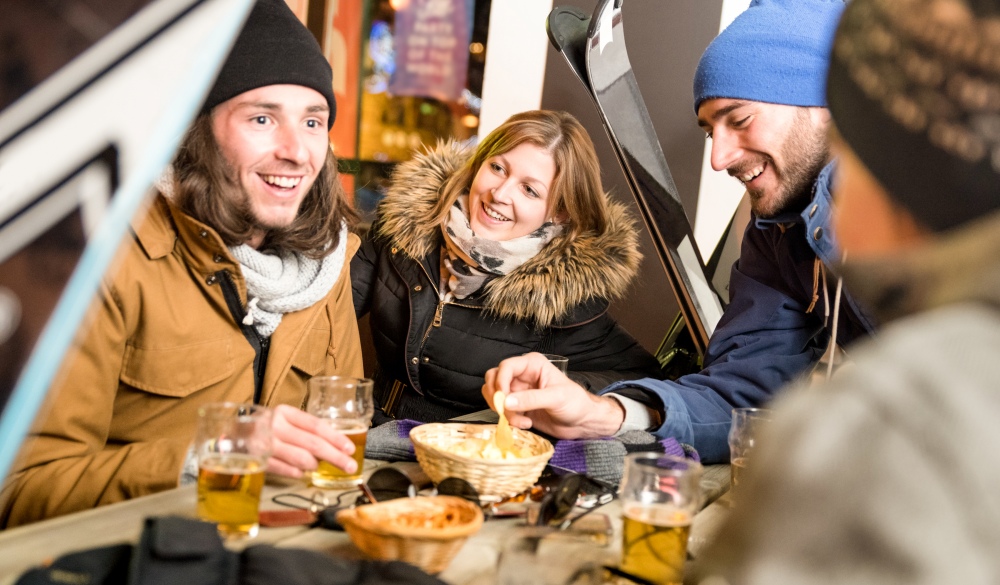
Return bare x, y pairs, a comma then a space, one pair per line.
556, 302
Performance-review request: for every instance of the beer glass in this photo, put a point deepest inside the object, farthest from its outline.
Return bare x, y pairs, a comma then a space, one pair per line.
660, 495
558, 361
233, 444
541, 555
346, 405
744, 436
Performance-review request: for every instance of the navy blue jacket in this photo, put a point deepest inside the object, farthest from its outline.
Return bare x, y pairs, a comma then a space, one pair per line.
765, 337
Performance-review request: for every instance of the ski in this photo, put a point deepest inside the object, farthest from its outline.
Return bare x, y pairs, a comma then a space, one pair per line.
594, 48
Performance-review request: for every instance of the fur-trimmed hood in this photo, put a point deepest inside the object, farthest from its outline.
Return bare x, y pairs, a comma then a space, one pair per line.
546, 288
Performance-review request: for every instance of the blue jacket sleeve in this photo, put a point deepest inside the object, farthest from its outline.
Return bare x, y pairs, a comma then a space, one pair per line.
764, 340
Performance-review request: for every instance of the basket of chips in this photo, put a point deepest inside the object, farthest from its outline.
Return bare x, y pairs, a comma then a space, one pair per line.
469, 451
423, 531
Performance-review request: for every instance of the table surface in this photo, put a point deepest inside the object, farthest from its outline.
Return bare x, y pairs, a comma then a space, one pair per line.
28, 546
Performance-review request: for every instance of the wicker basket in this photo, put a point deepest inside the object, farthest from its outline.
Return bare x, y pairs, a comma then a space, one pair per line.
423, 531
492, 478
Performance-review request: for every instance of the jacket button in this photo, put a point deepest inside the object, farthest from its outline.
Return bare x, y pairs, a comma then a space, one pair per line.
219, 258
394, 249
812, 211
211, 280
418, 288
203, 233
427, 360
818, 233
414, 361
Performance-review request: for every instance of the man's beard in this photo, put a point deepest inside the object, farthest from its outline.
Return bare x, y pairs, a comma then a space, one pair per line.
240, 202
805, 152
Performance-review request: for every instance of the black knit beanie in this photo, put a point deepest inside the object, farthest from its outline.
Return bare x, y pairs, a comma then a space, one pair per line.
914, 89
274, 48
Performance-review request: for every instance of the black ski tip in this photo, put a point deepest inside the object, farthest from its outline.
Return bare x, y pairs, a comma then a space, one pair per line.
567, 30
566, 25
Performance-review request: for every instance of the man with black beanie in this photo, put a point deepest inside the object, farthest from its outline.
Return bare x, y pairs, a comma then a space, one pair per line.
888, 474
235, 286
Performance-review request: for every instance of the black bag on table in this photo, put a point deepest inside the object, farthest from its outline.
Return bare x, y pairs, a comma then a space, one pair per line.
175, 550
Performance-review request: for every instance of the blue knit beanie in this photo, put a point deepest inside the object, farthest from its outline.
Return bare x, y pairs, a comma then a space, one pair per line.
776, 51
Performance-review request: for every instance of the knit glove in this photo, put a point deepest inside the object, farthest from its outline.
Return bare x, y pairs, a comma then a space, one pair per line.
391, 441
604, 459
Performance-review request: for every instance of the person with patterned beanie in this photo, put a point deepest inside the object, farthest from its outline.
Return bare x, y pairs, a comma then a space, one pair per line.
886, 474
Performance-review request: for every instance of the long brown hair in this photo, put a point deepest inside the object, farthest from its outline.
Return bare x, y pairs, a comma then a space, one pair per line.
576, 188
205, 188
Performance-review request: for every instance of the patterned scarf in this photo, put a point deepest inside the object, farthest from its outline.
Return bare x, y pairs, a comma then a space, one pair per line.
279, 283
471, 260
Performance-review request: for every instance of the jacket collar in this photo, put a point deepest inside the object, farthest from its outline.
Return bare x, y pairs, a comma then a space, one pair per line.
546, 288
815, 218
164, 226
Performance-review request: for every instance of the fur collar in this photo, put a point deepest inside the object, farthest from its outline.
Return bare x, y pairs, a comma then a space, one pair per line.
546, 288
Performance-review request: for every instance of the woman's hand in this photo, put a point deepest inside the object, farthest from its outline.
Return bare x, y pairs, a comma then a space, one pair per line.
301, 440
540, 396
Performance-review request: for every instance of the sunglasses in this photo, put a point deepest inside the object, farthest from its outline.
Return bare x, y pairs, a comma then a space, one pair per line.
389, 483
568, 490
384, 484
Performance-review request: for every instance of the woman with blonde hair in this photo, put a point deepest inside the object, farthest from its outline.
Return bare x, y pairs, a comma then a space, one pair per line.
476, 257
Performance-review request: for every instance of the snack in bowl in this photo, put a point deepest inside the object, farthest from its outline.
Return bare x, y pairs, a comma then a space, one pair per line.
485, 447
468, 451
423, 531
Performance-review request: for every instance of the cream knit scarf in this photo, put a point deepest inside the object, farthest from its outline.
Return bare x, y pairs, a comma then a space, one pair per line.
279, 283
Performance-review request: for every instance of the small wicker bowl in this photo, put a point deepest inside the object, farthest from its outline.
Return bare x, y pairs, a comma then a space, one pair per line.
423, 531
492, 478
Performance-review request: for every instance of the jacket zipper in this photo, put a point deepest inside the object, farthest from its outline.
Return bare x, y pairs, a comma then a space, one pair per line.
259, 343
439, 311
435, 323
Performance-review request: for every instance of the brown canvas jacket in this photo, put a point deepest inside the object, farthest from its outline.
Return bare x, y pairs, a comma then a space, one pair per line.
160, 343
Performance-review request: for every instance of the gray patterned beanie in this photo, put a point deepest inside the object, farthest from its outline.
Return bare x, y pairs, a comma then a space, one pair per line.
914, 89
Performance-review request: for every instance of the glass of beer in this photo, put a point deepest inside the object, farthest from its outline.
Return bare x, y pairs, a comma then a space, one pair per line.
559, 361
660, 494
543, 555
744, 436
233, 444
346, 405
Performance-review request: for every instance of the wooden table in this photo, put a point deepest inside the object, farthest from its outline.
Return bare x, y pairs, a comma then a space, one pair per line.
28, 546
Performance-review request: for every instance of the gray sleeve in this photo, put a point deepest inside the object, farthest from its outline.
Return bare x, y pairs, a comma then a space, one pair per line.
844, 492
638, 416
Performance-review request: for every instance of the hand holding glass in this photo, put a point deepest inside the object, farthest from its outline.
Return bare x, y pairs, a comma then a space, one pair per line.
233, 444
660, 495
346, 405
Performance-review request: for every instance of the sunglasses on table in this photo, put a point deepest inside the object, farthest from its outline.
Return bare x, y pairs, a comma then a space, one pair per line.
558, 492
389, 483
563, 491
384, 484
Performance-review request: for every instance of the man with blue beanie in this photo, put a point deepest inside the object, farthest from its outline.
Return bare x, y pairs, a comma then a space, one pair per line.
759, 94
